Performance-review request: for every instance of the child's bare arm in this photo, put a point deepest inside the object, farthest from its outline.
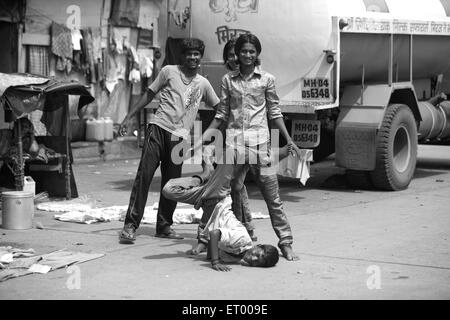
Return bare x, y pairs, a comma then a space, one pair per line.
213, 247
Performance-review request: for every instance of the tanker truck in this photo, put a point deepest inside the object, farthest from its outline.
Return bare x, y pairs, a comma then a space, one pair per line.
363, 79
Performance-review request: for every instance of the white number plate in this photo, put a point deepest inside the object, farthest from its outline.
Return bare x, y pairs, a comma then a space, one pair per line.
306, 133
316, 89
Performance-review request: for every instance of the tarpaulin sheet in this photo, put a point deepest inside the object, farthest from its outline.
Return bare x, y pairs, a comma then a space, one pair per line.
23, 93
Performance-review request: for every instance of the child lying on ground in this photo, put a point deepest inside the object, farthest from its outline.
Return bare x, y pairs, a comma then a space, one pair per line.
229, 241
225, 236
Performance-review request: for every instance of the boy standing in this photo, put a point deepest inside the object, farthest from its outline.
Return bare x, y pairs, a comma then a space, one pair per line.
241, 206
181, 90
248, 100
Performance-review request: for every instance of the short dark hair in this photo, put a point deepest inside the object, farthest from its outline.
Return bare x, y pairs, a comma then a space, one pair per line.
192, 44
248, 38
270, 256
230, 44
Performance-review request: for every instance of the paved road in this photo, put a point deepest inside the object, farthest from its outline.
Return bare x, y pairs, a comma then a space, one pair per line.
353, 244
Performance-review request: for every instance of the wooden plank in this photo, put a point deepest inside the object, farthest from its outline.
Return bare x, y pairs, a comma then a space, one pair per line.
21, 52
35, 39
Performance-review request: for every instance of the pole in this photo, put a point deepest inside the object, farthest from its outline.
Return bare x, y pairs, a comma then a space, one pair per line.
411, 58
391, 59
20, 176
67, 170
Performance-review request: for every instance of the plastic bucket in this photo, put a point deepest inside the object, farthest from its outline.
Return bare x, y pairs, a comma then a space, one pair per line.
17, 210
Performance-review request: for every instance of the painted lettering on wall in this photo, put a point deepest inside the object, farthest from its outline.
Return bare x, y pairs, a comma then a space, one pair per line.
224, 33
363, 24
232, 7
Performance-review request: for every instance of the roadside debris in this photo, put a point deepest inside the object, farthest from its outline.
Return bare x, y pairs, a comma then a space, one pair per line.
259, 215
39, 268
41, 197
21, 262
39, 225
88, 212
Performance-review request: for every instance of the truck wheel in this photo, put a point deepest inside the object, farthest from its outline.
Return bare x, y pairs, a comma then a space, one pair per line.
357, 179
396, 150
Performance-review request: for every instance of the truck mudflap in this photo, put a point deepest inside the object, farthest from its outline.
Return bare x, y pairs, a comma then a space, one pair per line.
356, 146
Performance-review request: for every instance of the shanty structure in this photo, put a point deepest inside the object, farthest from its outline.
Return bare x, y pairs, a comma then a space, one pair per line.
22, 94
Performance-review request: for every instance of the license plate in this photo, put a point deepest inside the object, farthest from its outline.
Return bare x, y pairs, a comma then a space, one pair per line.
316, 89
306, 133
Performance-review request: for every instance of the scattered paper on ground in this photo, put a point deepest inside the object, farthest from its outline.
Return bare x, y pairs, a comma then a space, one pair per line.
259, 215
86, 213
93, 215
39, 268
83, 203
26, 262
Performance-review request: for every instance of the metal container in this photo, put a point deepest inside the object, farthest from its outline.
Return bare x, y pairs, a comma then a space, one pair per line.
17, 210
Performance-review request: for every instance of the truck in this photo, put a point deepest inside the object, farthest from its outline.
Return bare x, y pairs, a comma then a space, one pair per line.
365, 80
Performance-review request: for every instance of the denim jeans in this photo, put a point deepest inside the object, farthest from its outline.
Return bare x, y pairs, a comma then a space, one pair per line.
157, 150
267, 181
241, 207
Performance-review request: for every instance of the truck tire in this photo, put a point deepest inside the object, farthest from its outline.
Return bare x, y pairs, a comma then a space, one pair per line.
396, 149
358, 179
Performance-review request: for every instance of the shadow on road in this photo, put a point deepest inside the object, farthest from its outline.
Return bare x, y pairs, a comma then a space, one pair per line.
423, 173
178, 254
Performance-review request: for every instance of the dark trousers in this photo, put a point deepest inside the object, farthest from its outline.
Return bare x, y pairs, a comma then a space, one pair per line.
157, 149
207, 195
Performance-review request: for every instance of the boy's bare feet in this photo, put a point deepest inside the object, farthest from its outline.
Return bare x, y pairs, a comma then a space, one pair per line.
199, 248
288, 253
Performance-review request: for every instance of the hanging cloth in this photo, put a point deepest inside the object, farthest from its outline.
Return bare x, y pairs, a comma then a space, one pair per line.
89, 55
173, 51
38, 60
62, 46
76, 37
125, 13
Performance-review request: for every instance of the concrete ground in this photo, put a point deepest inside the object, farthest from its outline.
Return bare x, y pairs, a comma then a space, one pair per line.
352, 244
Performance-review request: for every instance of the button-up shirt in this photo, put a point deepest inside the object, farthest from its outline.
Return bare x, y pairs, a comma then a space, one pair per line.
246, 104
